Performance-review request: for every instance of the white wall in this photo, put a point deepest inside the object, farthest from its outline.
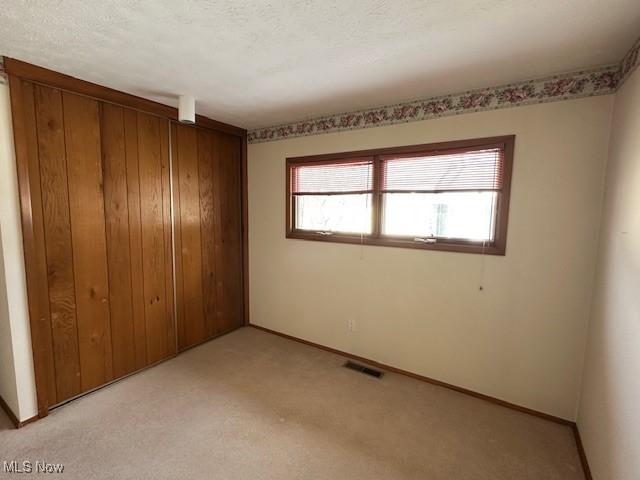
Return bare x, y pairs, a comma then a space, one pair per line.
522, 338
8, 386
17, 384
609, 417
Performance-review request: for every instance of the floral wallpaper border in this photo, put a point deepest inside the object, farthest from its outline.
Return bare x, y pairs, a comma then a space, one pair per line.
629, 63
3, 74
585, 83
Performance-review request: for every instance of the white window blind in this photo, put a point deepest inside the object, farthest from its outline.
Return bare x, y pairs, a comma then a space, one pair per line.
333, 178
470, 170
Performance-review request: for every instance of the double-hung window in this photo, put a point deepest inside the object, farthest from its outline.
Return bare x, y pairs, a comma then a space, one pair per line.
447, 196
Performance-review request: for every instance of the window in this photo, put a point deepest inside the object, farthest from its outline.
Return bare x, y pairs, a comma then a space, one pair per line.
447, 196
333, 197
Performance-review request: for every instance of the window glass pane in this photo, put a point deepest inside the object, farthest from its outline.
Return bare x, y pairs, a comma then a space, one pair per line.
463, 215
334, 213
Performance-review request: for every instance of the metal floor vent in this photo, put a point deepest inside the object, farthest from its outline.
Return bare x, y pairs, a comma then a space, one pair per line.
363, 369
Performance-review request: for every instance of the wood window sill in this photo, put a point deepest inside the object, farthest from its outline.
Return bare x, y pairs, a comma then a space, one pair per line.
460, 247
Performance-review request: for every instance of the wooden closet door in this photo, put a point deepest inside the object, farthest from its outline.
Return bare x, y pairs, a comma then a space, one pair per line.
100, 200
68, 145
50, 167
206, 168
155, 219
89, 260
227, 189
137, 196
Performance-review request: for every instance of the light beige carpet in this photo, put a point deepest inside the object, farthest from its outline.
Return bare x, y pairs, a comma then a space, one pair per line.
251, 405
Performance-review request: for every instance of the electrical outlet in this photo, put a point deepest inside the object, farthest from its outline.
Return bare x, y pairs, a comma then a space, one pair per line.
351, 325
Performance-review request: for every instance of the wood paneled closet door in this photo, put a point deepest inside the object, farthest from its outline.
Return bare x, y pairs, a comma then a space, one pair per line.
208, 240
100, 198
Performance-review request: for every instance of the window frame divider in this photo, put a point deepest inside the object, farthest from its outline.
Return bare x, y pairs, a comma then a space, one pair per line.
376, 207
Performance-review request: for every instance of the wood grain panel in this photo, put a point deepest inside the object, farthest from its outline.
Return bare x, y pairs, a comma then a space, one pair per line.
38, 232
219, 250
177, 238
58, 246
236, 319
28, 170
130, 118
86, 207
117, 214
193, 315
228, 183
170, 323
209, 264
153, 236
209, 267
205, 141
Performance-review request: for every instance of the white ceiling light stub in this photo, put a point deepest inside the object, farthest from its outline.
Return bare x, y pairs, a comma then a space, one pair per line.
187, 109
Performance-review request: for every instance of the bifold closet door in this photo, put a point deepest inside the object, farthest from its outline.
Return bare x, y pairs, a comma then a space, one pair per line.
138, 229
100, 201
207, 205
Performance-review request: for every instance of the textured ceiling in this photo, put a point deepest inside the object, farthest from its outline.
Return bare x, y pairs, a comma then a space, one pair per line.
258, 63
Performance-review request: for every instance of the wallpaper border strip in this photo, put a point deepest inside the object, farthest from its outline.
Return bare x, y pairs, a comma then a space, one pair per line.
584, 83
629, 63
3, 74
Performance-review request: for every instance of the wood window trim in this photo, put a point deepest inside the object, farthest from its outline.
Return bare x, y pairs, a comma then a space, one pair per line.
376, 238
